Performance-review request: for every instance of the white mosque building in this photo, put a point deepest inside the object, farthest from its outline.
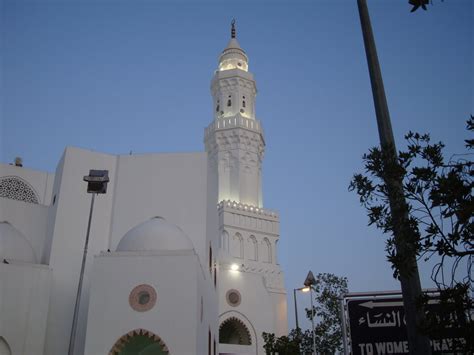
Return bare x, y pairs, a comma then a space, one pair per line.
181, 257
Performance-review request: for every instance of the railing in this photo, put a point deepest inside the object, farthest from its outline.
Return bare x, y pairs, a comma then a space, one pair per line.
235, 121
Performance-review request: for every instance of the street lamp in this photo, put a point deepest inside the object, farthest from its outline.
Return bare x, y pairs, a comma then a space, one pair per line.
302, 289
309, 282
96, 184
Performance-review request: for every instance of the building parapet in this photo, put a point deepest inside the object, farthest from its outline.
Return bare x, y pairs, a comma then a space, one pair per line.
234, 206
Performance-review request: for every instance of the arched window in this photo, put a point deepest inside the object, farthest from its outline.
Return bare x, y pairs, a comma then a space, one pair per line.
233, 331
243, 101
139, 341
267, 251
217, 107
15, 188
229, 102
237, 247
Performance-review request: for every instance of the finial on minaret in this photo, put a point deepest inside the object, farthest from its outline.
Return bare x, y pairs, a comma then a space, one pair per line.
232, 30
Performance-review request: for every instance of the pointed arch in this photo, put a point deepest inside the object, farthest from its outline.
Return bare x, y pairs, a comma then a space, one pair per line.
139, 340
237, 247
252, 248
225, 240
234, 331
267, 250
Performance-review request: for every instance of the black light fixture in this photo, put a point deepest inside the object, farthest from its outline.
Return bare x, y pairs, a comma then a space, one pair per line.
97, 181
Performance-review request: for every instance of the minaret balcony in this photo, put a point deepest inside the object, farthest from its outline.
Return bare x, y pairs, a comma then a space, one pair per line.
237, 121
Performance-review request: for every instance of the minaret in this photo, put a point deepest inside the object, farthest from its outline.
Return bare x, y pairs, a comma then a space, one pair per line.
234, 140
249, 283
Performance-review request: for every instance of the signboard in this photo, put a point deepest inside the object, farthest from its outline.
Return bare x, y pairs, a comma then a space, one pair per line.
377, 326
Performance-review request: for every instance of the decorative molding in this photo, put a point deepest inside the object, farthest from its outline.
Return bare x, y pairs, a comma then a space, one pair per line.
122, 342
139, 291
247, 210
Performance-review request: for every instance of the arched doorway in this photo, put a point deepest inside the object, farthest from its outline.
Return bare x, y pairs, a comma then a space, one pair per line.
139, 342
234, 331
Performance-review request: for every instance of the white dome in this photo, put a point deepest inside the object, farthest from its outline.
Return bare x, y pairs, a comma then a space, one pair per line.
155, 234
233, 57
14, 245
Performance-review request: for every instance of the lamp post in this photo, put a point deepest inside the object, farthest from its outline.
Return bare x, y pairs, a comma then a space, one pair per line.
309, 282
303, 289
96, 184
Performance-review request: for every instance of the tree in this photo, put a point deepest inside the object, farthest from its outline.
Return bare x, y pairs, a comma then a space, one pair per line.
328, 288
440, 210
326, 312
284, 345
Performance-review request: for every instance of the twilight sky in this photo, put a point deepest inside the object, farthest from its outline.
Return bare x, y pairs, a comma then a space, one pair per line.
121, 76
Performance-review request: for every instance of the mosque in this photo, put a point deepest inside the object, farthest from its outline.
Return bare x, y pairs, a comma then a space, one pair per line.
181, 254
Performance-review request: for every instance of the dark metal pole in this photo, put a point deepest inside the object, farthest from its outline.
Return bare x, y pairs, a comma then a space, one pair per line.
296, 309
72, 338
410, 281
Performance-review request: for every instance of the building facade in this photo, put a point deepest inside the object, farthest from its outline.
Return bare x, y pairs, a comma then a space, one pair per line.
182, 254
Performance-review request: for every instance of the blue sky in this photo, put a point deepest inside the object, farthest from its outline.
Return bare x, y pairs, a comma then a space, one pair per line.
121, 76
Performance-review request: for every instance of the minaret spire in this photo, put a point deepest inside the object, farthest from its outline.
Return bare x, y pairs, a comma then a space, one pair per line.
232, 30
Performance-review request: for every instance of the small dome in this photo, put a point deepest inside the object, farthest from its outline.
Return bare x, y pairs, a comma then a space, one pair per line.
14, 245
233, 56
155, 234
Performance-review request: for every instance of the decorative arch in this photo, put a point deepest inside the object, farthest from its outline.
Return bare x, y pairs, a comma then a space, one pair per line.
253, 248
237, 249
16, 188
234, 331
267, 250
225, 240
139, 341
4, 347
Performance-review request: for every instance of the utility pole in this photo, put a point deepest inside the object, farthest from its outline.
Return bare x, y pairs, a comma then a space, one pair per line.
418, 343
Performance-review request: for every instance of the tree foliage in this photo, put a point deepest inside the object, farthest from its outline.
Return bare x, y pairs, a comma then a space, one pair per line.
439, 211
440, 204
328, 288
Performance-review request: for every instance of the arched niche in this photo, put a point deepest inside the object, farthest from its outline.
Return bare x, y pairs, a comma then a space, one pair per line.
267, 250
225, 241
139, 341
237, 246
234, 331
252, 249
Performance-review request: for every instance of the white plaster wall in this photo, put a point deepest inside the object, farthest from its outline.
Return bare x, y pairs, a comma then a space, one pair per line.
40, 181
173, 186
254, 307
68, 231
174, 318
280, 311
24, 300
30, 219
